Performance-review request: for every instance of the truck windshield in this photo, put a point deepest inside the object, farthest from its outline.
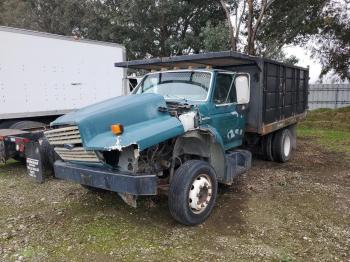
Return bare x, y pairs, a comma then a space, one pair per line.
189, 85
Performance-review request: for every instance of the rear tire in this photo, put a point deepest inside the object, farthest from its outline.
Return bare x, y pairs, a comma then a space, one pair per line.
26, 125
282, 145
192, 192
7, 123
267, 147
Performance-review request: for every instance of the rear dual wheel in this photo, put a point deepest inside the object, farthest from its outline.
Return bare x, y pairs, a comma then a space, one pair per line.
267, 147
192, 192
277, 146
282, 146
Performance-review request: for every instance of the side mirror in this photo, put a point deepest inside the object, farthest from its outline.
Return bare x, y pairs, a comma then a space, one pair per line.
242, 83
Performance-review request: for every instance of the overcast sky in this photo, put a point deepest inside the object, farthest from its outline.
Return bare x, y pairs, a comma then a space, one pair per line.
305, 60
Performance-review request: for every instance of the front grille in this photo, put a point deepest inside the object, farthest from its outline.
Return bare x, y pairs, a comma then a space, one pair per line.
70, 135
64, 135
76, 154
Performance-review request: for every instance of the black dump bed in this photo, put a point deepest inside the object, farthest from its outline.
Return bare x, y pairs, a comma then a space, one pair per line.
278, 91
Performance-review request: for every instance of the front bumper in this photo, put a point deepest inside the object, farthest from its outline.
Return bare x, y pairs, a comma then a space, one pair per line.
99, 177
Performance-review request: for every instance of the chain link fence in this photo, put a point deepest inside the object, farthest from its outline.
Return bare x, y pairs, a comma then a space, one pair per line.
329, 96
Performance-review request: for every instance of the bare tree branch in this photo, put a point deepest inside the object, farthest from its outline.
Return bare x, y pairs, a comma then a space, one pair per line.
228, 18
250, 43
240, 21
265, 4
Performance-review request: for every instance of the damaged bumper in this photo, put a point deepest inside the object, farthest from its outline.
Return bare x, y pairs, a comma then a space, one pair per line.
121, 182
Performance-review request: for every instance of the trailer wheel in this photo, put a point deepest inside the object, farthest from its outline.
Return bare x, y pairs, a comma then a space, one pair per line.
267, 147
192, 192
6, 124
282, 145
24, 125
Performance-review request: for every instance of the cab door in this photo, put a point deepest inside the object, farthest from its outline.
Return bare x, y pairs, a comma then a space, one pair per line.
224, 116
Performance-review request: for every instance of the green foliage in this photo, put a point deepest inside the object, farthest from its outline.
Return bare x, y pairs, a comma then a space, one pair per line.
153, 28
291, 21
325, 118
325, 22
338, 141
55, 16
148, 28
333, 40
215, 37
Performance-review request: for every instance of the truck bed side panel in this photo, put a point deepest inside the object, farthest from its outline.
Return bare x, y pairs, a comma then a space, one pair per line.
285, 94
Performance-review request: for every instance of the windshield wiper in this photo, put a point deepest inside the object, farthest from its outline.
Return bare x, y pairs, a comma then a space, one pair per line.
176, 96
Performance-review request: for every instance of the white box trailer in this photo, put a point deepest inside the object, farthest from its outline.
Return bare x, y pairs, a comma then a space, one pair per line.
44, 74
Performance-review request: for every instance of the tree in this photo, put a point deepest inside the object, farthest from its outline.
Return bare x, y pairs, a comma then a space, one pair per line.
253, 28
332, 40
322, 26
289, 22
164, 28
149, 28
253, 16
215, 37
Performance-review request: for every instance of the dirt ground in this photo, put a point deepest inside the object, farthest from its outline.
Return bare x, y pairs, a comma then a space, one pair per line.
299, 211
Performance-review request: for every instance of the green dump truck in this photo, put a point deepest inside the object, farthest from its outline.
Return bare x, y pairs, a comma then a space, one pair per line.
186, 127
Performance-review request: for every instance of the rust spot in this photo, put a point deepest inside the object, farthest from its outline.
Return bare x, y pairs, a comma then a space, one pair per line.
282, 123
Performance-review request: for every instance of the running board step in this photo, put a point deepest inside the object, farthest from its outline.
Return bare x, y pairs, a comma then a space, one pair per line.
238, 162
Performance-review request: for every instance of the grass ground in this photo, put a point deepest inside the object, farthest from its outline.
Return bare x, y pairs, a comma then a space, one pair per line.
298, 211
330, 128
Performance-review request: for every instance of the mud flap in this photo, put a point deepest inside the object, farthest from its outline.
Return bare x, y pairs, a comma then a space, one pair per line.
129, 199
2, 152
34, 162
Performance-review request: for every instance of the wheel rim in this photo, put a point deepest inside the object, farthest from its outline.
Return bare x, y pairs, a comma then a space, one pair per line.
286, 146
200, 193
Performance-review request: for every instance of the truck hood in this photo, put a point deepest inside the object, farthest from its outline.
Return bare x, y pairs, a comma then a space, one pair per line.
144, 124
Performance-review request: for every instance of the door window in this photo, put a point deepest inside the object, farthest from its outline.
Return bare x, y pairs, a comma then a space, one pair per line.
225, 91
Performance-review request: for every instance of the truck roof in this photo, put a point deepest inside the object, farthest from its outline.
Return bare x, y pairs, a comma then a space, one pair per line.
206, 70
55, 36
218, 60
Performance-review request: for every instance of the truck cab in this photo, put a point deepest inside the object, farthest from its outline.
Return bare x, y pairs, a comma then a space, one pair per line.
218, 97
180, 132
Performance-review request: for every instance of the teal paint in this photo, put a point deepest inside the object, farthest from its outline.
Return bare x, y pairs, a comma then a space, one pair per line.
145, 126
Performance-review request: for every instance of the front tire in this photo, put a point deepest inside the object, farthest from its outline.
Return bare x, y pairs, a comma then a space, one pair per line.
192, 192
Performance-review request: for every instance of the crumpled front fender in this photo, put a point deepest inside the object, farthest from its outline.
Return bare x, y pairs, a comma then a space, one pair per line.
144, 124
144, 134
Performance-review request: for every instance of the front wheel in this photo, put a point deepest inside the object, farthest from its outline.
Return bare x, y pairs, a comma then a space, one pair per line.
192, 192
